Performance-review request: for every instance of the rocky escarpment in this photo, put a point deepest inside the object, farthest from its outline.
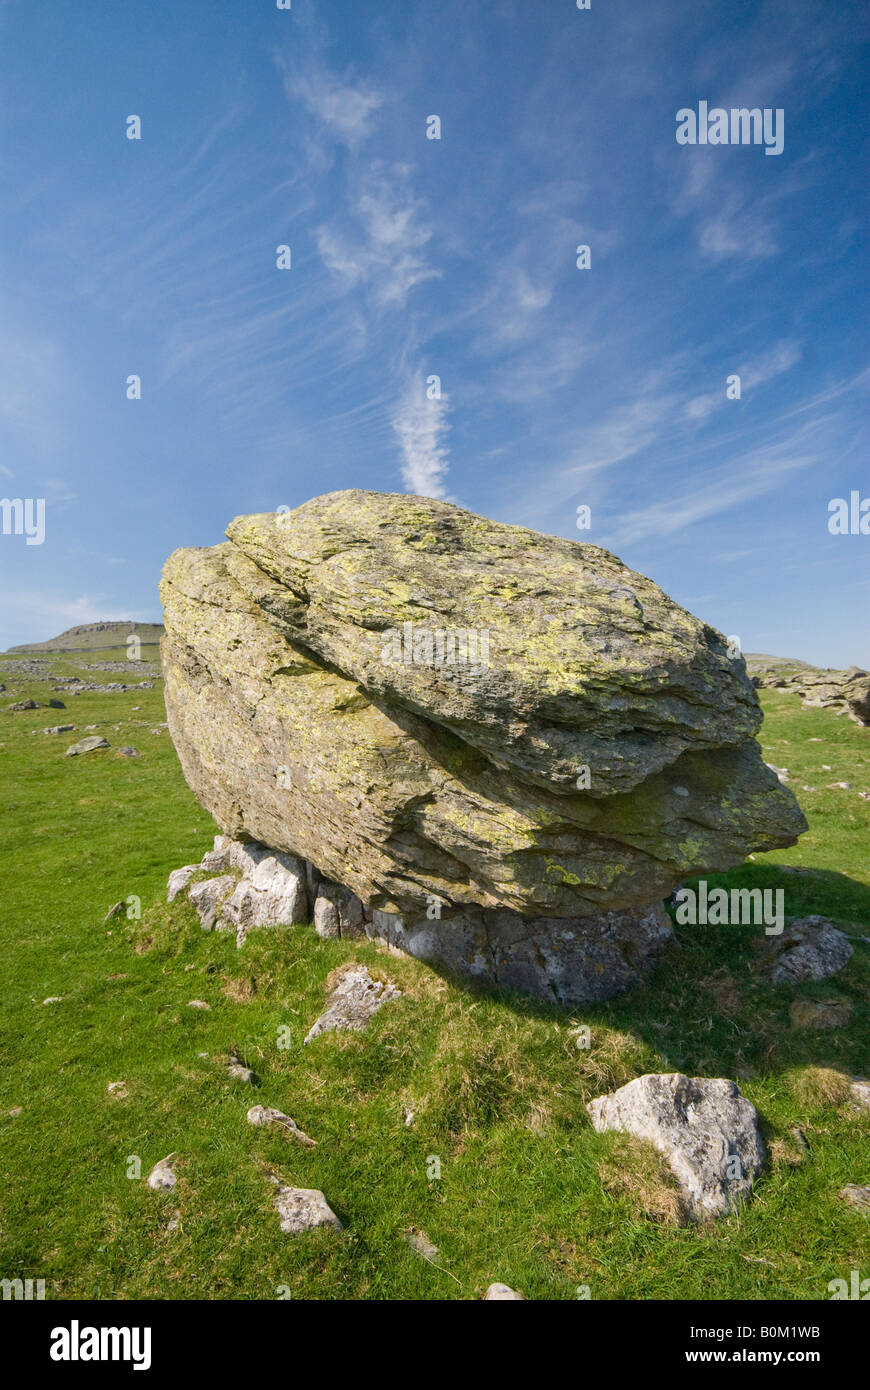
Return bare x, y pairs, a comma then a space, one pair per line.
844, 692
451, 716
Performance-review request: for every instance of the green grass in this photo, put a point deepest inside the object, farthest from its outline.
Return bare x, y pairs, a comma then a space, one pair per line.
528, 1193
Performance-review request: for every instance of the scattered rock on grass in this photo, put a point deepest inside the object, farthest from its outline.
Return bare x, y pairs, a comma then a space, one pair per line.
859, 1089
706, 1129
856, 1196
161, 1176
811, 948
238, 1071
781, 772
198, 1004
420, 1242
86, 745
60, 729
265, 1115
353, 1002
501, 1293
53, 999
303, 1208
819, 1015
126, 752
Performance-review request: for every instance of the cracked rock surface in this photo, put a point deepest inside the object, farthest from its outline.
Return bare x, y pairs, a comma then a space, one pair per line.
354, 1001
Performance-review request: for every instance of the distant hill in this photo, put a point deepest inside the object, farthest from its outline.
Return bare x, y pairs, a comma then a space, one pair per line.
756, 662
91, 637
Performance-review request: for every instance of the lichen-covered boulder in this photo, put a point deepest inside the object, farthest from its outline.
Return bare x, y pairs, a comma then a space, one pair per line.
442, 712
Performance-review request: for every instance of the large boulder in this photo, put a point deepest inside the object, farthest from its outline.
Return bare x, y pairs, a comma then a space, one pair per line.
445, 714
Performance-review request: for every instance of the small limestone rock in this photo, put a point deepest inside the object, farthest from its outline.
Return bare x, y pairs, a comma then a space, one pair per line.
86, 745
781, 772
198, 1004
117, 1088
811, 948
238, 1071
179, 879
819, 1015
303, 1209
501, 1293
53, 999
209, 896
706, 1129
337, 911
420, 1242
265, 1115
859, 1090
272, 891
16, 1111
125, 752
161, 1176
800, 1139
117, 910
856, 1196
23, 705
60, 729
353, 1002
215, 861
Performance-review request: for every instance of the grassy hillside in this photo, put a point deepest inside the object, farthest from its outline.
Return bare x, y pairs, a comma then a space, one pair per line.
93, 637
528, 1194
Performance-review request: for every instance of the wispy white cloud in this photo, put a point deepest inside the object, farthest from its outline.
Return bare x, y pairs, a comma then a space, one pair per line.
420, 425
742, 480
343, 108
753, 372
388, 255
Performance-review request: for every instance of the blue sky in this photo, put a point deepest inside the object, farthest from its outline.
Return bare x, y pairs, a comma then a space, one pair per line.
454, 257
